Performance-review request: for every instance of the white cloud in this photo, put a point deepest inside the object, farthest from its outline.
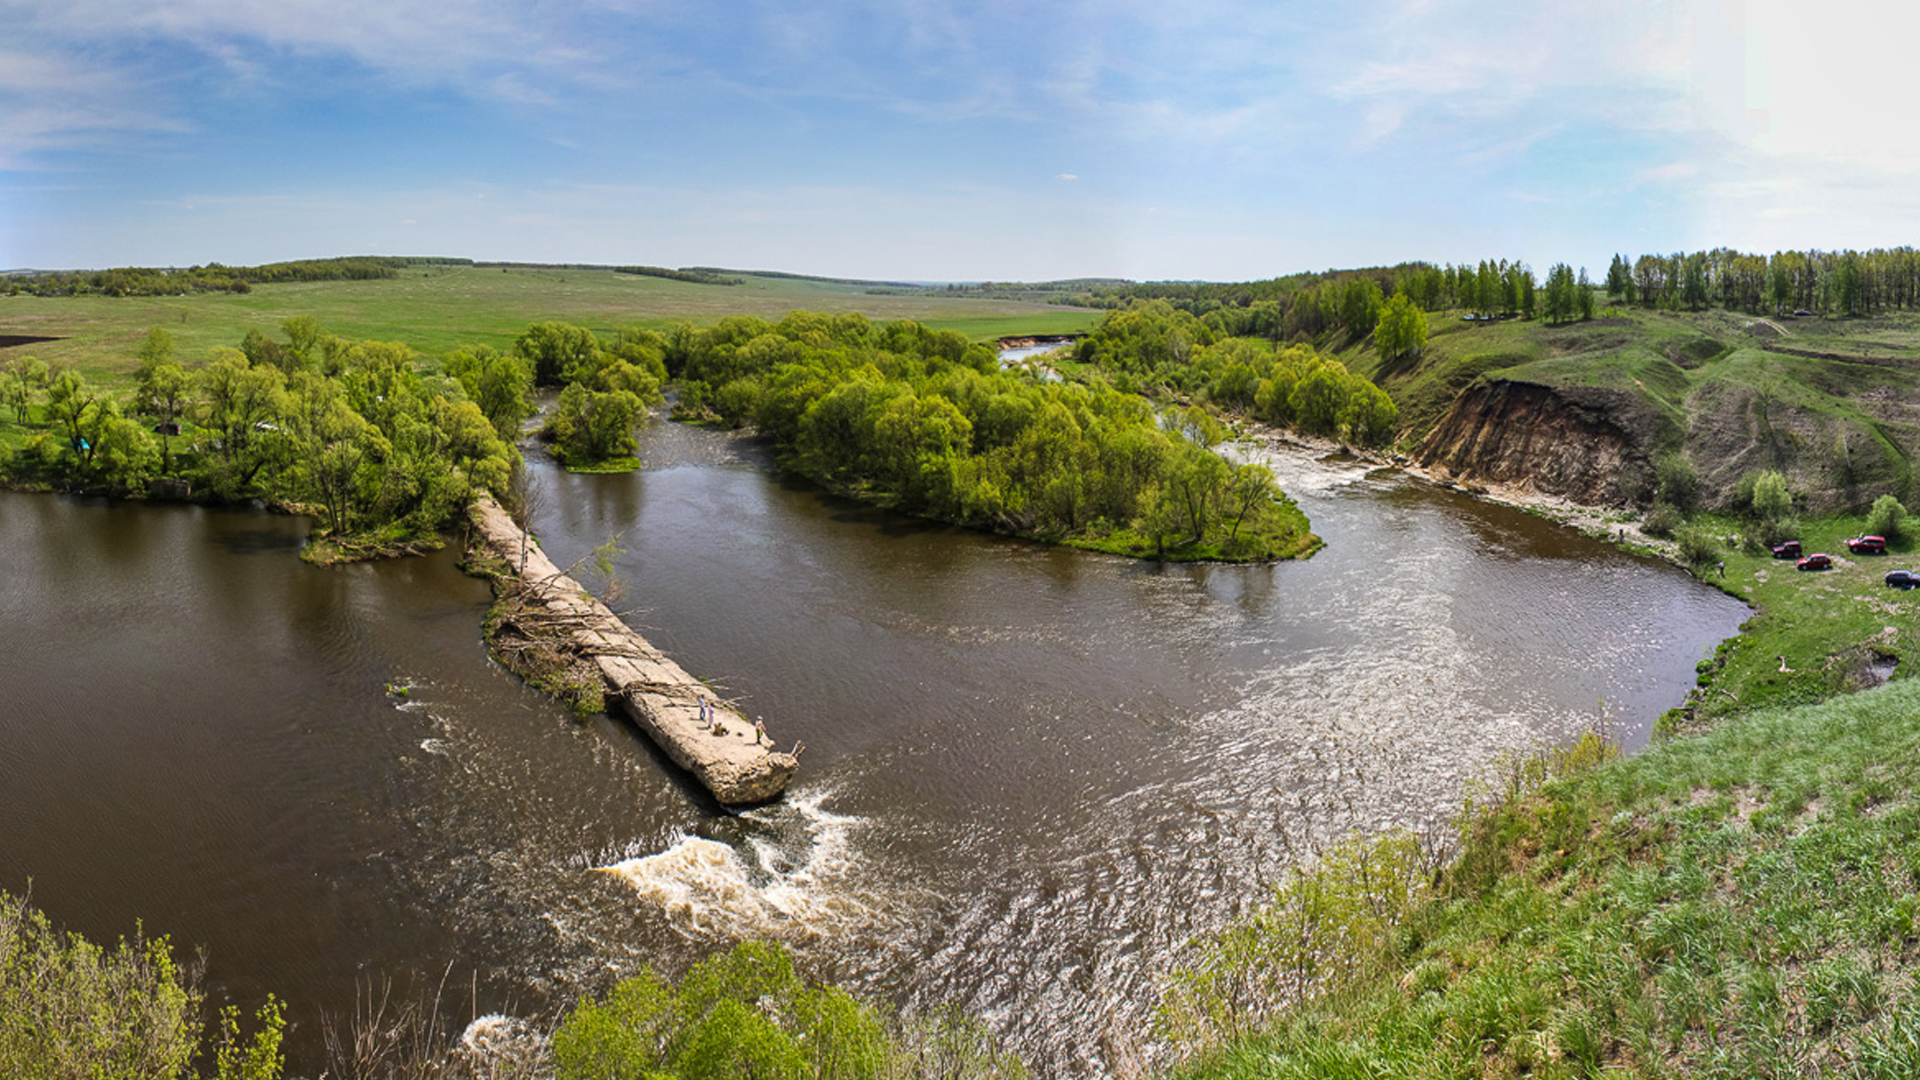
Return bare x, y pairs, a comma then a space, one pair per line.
392, 34
49, 102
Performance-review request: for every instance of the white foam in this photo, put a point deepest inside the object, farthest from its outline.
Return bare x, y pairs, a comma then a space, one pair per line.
794, 878
492, 1044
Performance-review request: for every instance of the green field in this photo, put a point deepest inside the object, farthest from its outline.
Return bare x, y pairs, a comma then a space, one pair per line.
437, 308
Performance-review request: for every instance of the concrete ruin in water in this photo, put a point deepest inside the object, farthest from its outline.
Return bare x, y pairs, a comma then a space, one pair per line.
683, 716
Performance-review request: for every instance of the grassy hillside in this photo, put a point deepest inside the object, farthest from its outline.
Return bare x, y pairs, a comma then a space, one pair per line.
1833, 403
1739, 904
434, 309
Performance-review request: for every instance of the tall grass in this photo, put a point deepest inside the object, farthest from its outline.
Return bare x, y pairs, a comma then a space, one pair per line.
1737, 904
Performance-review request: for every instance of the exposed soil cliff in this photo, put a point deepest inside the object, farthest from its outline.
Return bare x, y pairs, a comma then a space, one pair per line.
1586, 444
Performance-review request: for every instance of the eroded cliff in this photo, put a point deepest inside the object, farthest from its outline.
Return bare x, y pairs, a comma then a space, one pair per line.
1587, 444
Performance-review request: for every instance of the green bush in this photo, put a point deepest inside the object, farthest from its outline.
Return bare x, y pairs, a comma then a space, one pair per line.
1774, 530
747, 1013
1772, 500
1321, 931
1887, 518
1676, 483
1698, 546
69, 1008
1662, 520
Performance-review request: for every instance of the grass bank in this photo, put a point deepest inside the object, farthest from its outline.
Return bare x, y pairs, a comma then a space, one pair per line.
1814, 634
1739, 903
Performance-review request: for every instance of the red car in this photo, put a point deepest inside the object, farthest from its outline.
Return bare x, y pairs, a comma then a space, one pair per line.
1815, 561
1868, 545
1787, 550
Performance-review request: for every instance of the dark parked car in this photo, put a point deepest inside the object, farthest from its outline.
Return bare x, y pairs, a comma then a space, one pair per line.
1868, 545
1816, 561
1788, 550
1904, 579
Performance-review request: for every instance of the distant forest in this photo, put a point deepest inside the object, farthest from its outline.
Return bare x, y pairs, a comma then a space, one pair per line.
1307, 305
213, 277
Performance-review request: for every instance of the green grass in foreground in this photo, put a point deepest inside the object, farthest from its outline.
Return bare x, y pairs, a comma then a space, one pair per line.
1736, 904
436, 309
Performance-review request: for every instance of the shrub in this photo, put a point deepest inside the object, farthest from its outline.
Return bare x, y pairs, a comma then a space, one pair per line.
1774, 530
1697, 546
1740, 500
69, 1008
1322, 930
1662, 520
1676, 483
1887, 518
747, 1013
1771, 498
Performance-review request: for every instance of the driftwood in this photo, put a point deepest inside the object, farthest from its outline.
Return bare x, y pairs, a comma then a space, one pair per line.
573, 645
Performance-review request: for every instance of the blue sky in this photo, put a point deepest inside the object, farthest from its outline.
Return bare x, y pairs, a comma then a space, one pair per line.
950, 139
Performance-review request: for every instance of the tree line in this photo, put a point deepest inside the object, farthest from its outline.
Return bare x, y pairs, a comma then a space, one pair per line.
928, 422
691, 277
1845, 282
213, 277
1319, 306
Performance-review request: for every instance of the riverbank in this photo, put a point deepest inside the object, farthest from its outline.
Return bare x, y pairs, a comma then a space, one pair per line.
1738, 903
1612, 524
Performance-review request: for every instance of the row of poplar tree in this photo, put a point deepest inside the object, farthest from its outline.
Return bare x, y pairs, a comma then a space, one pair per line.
1822, 282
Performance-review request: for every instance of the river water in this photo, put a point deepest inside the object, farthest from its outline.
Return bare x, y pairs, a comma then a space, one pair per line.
1029, 774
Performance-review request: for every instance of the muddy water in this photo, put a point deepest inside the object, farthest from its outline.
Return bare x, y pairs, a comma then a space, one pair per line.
1029, 774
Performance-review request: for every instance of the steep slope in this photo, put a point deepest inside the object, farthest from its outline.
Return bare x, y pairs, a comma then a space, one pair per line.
1585, 410
1575, 444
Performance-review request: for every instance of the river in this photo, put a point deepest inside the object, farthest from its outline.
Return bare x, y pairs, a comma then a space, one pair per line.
1029, 773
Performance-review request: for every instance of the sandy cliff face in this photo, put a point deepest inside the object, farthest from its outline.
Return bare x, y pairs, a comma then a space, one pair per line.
1579, 443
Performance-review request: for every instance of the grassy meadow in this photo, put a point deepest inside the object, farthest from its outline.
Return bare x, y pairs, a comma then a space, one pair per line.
435, 309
